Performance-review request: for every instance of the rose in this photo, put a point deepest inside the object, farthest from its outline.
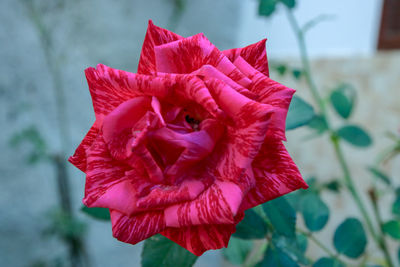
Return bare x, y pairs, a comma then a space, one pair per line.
188, 144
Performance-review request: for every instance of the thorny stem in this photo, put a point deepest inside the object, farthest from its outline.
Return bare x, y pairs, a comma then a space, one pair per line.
334, 138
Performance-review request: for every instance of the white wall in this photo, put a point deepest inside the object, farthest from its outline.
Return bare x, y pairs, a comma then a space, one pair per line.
352, 30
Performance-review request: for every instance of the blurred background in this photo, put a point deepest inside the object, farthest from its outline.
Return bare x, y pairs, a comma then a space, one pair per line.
46, 108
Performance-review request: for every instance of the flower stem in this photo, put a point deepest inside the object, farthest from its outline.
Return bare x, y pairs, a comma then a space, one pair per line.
319, 244
334, 138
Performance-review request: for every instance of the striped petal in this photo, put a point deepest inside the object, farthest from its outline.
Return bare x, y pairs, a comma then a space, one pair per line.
254, 54
190, 54
200, 238
79, 158
133, 229
275, 173
154, 36
269, 92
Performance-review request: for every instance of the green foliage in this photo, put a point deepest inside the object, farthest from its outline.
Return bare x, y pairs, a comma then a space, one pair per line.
32, 136
160, 251
281, 215
267, 7
318, 123
275, 257
294, 247
65, 226
350, 238
297, 73
392, 228
333, 186
380, 175
396, 206
97, 213
315, 212
328, 262
252, 226
342, 100
237, 250
355, 135
300, 113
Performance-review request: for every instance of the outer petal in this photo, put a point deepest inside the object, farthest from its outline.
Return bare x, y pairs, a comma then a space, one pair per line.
79, 157
200, 238
190, 54
254, 54
154, 36
275, 173
133, 229
269, 92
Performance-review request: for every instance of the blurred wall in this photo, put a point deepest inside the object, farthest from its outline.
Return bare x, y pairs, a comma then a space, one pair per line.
350, 28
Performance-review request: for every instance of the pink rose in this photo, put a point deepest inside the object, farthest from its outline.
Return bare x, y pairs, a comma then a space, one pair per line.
187, 144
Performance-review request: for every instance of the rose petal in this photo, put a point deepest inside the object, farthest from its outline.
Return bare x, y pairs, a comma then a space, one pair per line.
79, 157
133, 229
216, 205
154, 36
276, 174
200, 238
190, 54
269, 92
254, 54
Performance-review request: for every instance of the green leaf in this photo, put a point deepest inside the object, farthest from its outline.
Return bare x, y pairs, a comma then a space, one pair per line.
396, 206
333, 186
302, 242
318, 123
281, 69
328, 262
281, 215
398, 255
300, 113
315, 212
297, 73
342, 99
275, 257
350, 238
97, 213
392, 228
237, 250
355, 135
267, 7
160, 251
252, 226
380, 175
289, 3
292, 247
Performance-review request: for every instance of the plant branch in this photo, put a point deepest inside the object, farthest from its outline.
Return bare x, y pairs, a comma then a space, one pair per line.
334, 138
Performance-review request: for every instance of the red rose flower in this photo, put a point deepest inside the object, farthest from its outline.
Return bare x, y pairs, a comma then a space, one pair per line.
187, 144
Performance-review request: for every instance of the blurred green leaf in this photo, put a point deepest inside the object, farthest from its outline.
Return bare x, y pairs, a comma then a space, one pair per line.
315, 212
398, 255
160, 251
355, 135
396, 206
302, 242
380, 175
350, 238
289, 3
97, 213
281, 69
328, 262
342, 99
294, 247
252, 226
275, 257
237, 250
392, 228
297, 73
281, 215
333, 186
318, 123
300, 113
267, 7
